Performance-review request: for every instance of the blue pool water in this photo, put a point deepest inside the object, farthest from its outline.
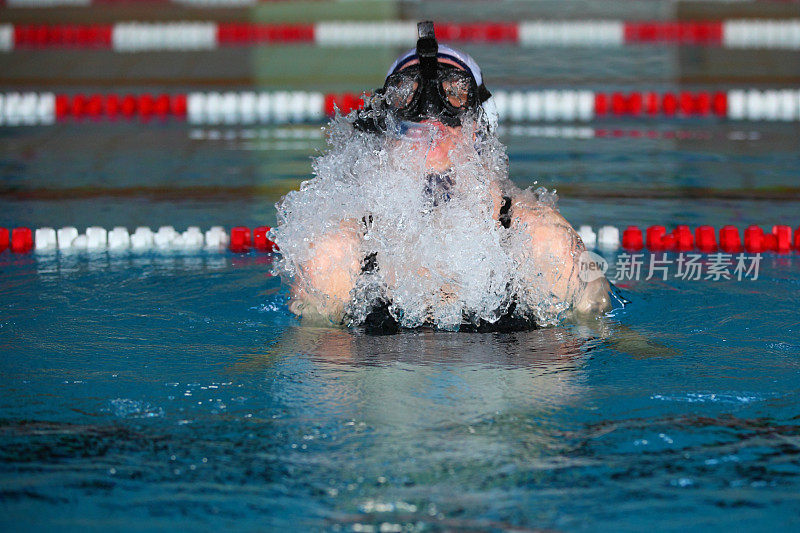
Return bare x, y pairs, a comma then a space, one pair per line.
161, 392
152, 391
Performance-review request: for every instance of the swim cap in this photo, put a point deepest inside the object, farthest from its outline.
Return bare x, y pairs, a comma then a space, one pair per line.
461, 58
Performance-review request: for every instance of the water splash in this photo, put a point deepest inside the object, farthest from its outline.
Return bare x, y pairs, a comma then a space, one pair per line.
708, 397
127, 408
429, 229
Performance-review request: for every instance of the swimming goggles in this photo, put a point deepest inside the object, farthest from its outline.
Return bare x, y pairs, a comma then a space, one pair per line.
414, 97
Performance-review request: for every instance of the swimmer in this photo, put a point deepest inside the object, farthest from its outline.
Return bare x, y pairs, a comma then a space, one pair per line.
412, 220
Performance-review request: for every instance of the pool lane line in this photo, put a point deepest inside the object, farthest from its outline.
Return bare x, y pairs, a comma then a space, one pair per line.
194, 35
241, 239
283, 107
166, 238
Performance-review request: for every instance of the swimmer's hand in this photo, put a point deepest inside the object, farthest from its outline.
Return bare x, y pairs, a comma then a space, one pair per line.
594, 299
323, 285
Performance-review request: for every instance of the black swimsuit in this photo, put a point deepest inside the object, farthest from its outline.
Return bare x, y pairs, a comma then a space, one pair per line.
379, 320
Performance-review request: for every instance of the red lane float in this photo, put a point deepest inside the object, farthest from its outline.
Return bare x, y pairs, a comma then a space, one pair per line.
655, 236
729, 240
21, 240
4, 239
240, 239
344, 102
705, 239
783, 238
632, 239
684, 241
261, 242
754, 241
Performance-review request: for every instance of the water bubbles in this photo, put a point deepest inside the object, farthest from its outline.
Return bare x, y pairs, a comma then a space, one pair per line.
702, 397
666, 438
127, 408
420, 203
724, 459
374, 506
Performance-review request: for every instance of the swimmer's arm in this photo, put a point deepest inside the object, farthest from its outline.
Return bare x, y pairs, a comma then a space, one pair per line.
555, 243
323, 285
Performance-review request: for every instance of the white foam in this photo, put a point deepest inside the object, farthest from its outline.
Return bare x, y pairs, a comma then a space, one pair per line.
438, 259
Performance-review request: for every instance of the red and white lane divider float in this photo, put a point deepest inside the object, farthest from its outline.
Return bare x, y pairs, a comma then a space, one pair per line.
166, 238
284, 107
186, 35
705, 239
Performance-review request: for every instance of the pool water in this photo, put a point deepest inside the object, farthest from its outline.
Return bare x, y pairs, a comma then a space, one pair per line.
156, 391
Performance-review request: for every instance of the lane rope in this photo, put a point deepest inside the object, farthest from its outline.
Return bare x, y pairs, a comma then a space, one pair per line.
193, 35
284, 107
706, 239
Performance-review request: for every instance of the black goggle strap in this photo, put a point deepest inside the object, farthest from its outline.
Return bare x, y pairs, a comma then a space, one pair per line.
483, 93
427, 49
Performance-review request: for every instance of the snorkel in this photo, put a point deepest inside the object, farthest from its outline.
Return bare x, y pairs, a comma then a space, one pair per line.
428, 103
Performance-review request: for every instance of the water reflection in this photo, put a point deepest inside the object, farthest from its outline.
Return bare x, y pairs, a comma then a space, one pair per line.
421, 391
426, 377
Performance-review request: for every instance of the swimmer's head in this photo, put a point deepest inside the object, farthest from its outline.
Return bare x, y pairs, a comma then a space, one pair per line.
431, 82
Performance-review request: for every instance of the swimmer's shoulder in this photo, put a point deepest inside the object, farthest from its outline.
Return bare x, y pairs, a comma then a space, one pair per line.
537, 216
